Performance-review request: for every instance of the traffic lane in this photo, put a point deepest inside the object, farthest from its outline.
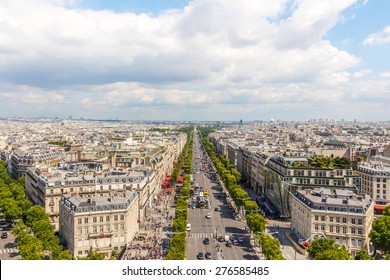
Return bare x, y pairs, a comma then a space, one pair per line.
8, 249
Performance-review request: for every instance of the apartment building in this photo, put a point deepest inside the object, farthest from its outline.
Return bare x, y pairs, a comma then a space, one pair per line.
45, 185
376, 182
277, 176
103, 223
339, 214
20, 160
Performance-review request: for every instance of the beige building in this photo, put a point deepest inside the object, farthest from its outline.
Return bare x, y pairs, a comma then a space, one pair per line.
105, 223
45, 186
338, 214
376, 182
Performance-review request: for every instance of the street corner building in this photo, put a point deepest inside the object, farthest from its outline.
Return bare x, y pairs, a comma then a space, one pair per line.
103, 223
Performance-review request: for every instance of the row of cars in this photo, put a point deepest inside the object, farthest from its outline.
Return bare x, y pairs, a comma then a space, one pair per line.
232, 240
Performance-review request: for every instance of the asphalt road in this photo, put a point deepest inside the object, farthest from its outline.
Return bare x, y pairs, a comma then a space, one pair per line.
221, 223
8, 250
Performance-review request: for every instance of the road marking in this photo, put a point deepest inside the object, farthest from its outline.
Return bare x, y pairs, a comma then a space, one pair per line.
8, 251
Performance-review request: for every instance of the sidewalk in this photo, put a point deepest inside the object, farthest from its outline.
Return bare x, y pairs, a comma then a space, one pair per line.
156, 226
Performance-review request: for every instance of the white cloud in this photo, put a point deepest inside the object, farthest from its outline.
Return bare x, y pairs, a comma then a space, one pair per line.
361, 74
210, 54
378, 38
385, 74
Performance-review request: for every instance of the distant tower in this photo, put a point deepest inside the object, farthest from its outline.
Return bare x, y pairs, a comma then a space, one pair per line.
240, 122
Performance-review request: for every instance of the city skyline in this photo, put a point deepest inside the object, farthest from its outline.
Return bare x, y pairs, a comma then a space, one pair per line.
195, 60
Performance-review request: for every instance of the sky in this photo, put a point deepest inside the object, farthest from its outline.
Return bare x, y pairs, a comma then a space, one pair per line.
220, 60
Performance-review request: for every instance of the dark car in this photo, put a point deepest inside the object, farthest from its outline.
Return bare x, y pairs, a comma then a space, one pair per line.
229, 244
200, 256
208, 255
216, 209
221, 239
206, 241
4, 235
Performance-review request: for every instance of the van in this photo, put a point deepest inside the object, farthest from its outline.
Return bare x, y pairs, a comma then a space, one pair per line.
188, 227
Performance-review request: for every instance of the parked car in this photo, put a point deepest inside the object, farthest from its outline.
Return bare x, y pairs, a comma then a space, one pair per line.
206, 241
221, 239
216, 209
208, 255
208, 216
235, 242
241, 239
200, 256
229, 244
4, 235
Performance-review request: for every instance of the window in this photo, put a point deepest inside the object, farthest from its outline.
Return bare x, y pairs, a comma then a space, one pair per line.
101, 188
79, 231
360, 231
51, 209
353, 221
344, 220
337, 219
79, 221
94, 229
345, 230
85, 220
107, 228
86, 230
316, 227
331, 228
353, 230
122, 217
116, 227
51, 191
100, 228
116, 218
94, 219
322, 218
353, 242
323, 227
122, 226
101, 219
107, 218
331, 219
337, 229
71, 189
360, 221
316, 217
81, 189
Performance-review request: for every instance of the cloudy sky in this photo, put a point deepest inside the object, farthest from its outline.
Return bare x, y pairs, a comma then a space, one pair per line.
195, 60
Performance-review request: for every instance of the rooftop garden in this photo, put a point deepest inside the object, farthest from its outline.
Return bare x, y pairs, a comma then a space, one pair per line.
323, 162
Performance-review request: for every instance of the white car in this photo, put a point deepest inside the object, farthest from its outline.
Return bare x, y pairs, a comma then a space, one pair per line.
208, 216
188, 227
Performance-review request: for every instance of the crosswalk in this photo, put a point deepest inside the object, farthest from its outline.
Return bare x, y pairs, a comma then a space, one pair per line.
200, 235
8, 251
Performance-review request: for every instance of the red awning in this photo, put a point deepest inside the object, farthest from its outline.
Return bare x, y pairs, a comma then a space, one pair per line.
379, 207
167, 178
180, 179
169, 190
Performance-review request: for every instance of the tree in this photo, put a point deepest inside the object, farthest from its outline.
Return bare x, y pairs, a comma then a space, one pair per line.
95, 255
34, 214
251, 206
334, 253
31, 248
380, 233
363, 255
327, 249
319, 245
255, 222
